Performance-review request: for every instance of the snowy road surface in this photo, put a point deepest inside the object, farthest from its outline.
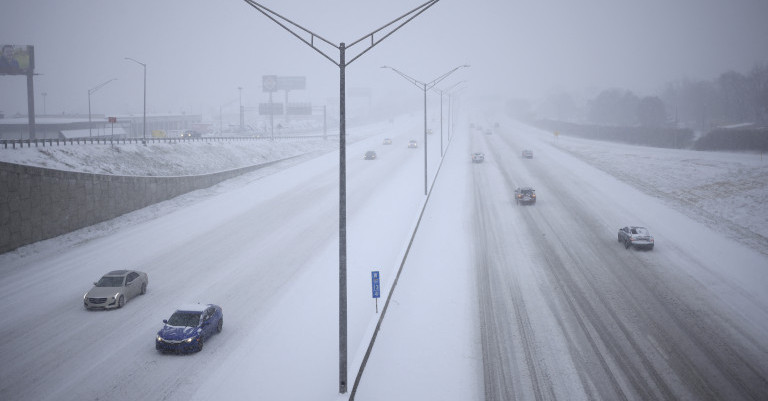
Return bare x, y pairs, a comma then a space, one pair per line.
568, 313
496, 301
264, 246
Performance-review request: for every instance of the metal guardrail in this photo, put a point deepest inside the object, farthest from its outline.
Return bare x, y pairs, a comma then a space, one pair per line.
21, 143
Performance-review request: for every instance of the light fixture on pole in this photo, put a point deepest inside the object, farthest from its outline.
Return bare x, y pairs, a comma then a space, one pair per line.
144, 124
90, 91
425, 86
297, 31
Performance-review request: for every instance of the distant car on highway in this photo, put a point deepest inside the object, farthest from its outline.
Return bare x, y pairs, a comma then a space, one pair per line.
413, 144
370, 155
525, 196
636, 236
191, 134
387, 141
528, 154
478, 157
189, 327
115, 288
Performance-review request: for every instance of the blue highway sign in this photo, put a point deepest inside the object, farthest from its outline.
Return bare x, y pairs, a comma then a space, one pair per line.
375, 284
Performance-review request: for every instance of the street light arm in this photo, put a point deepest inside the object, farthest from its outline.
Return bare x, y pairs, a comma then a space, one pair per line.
414, 81
448, 89
137, 62
442, 77
277, 18
413, 14
284, 22
99, 86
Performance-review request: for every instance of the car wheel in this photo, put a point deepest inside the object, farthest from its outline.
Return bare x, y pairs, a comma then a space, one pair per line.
121, 301
220, 325
627, 244
619, 238
143, 288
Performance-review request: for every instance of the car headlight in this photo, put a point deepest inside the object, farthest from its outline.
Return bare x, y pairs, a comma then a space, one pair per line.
189, 340
159, 338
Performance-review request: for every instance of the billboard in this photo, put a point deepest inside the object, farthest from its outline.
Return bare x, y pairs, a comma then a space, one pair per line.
266, 109
17, 60
299, 109
291, 83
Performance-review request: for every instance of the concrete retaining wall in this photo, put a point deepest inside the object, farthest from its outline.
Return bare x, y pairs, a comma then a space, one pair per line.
38, 203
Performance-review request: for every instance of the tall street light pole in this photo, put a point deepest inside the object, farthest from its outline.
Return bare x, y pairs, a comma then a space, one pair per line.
90, 91
441, 92
301, 33
242, 119
44, 95
144, 124
425, 87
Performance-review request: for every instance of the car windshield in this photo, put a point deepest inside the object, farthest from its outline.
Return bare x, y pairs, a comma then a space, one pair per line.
526, 192
110, 282
186, 319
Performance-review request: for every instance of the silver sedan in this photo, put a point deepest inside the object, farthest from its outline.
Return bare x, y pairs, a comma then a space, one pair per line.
115, 288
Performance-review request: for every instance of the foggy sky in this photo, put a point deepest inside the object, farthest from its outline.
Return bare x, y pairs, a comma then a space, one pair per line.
198, 52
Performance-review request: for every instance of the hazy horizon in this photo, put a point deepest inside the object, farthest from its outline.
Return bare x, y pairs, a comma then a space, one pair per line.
198, 53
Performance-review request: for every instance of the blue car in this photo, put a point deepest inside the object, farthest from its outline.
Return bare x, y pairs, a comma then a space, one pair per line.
189, 327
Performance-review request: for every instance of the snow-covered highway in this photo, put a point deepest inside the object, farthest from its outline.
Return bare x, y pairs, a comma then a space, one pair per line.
569, 313
496, 301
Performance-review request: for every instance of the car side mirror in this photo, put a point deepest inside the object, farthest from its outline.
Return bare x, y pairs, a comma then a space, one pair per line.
165, 321
95, 283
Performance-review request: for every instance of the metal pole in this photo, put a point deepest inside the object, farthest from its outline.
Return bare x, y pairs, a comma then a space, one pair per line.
450, 116
342, 64
285, 115
441, 124
90, 132
425, 139
31, 95
242, 120
90, 91
426, 86
145, 105
342, 227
